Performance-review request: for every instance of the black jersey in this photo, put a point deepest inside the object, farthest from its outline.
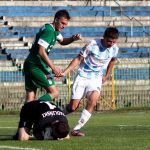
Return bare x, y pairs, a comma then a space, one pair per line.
40, 114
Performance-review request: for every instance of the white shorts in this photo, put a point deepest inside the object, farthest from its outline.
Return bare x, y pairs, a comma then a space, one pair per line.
82, 86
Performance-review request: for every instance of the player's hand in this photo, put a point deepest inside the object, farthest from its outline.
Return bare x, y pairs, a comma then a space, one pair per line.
63, 74
57, 72
58, 78
76, 37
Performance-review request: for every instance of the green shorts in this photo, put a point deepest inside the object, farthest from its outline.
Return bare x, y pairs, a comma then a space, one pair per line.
36, 78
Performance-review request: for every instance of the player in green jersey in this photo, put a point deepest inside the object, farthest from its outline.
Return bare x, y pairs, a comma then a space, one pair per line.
38, 66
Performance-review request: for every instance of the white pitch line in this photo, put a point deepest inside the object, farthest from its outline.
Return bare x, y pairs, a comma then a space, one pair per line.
8, 127
138, 125
121, 125
19, 148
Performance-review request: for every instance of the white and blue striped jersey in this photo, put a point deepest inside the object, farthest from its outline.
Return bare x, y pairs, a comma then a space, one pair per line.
96, 58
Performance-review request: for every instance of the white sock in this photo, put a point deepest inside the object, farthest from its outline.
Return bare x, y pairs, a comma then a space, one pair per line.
85, 116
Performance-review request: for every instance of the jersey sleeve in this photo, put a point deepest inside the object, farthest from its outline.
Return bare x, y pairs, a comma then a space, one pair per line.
115, 51
59, 37
85, 50
45, 38
24, 118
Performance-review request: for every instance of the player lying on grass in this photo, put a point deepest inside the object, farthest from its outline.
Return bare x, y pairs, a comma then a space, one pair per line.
96, 57
47, 120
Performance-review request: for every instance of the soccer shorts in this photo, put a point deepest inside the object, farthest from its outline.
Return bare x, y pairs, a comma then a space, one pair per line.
36, 78
82, 86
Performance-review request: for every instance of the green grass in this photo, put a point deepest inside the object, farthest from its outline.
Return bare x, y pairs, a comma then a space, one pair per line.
104, 131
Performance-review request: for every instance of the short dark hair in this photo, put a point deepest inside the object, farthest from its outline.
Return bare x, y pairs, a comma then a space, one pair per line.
62, 13
111, 32
60, 130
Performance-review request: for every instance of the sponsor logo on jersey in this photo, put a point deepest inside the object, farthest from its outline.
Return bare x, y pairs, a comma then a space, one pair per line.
52, 113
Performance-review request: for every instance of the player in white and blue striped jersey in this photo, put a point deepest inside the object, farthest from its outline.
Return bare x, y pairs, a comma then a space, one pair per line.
96, 61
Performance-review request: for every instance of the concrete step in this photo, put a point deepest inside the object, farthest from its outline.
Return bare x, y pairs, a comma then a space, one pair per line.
11, 47
89, 19
8, 68
5, 63
75, 3
6, 44
120, 40
73, 45
82, 23
134, 61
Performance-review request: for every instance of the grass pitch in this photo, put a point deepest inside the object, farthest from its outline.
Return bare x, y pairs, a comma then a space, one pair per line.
104, 131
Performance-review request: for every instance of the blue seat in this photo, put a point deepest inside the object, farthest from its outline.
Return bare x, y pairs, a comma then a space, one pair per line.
73, 10
132, 55
134, 73
3, 57
11, 76
63, 53
83, 30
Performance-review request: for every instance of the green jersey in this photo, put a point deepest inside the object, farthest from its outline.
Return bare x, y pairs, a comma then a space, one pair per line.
46, 37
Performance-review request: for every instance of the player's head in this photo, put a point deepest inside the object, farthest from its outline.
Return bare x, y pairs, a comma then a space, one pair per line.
110, 36
61, 20
54, 131
60, 129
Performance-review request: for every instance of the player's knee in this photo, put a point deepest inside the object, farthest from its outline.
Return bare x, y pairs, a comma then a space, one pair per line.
92, 104
69, 109
55, 95
73, 108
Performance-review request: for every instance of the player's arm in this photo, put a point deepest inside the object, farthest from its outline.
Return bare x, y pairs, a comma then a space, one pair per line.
83, 54
109, 68
23, 134
24, 125
49, 62
73, 64
66, 41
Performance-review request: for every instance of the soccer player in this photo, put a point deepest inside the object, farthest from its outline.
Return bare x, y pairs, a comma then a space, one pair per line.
95, 58
38, 66
47, 120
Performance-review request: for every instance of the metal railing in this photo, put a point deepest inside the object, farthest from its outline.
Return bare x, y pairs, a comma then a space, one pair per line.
132, 19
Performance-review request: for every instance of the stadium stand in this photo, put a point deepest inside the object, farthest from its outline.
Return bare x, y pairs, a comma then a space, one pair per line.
19, 22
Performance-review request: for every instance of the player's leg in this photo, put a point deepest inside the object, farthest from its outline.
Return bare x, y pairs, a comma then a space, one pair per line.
38, 79
30, 87
92, 98
72, 106
51, 90
86, 113
78, 90
52, 93
92, 94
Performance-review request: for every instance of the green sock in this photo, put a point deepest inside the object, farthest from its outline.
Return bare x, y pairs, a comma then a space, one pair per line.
46, 97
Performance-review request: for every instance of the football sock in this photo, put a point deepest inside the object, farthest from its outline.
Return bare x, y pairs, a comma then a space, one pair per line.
85, 116
46, 97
